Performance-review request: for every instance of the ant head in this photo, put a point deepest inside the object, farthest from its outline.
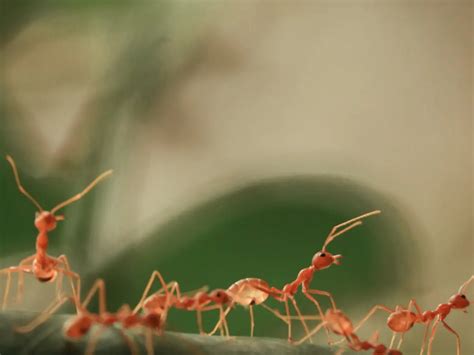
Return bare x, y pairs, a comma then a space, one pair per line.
219, 296
459, 301
46, 221
78, 326
324, 259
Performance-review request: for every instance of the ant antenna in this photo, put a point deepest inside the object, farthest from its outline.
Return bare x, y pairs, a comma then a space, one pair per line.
18, 183
354, 222
464, 285
81, 194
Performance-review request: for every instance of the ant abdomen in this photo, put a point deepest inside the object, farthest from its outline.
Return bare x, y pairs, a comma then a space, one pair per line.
338, 322
249, 291
401, 321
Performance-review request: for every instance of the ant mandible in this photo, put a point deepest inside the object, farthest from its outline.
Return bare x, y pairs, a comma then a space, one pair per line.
44, 267
401, 320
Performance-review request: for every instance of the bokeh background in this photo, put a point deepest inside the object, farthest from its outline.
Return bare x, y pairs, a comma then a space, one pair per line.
239, 133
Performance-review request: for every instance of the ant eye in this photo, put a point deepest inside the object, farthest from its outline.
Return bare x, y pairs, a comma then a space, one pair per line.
322, 254
463, 296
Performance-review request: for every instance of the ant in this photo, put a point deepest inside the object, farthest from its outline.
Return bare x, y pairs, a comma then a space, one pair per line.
81, 324
250, 291
321, 260
401, 319
202, 301
157, 302
44, 267
340, 324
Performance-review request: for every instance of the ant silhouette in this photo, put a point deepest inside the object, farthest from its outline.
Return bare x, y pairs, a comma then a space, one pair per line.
253, 291
401, 320
44, 267
340, 324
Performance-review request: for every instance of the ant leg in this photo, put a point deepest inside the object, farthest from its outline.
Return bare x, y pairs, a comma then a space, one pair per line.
277, 313
417, 307
150, 350
20, 285
287, 309
311, 333
76, 289
374, 309
222, 318
43, 317
425, 336
300, 317
164, 287
9, 271
393, 340
458, 339
199, 322
252, 321
323, 293
318, 306
433, 334
400, 341
73, 276
97, 287
199, 317
59, 285
93, 340
130, 343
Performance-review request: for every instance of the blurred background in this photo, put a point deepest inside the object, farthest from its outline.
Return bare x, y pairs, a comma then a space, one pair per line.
240, 133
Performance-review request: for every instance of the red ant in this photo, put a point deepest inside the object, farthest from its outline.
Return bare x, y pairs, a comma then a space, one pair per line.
340, 324
81, 324
250, 291
44, 267
402, 319
157, 302
203, 301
